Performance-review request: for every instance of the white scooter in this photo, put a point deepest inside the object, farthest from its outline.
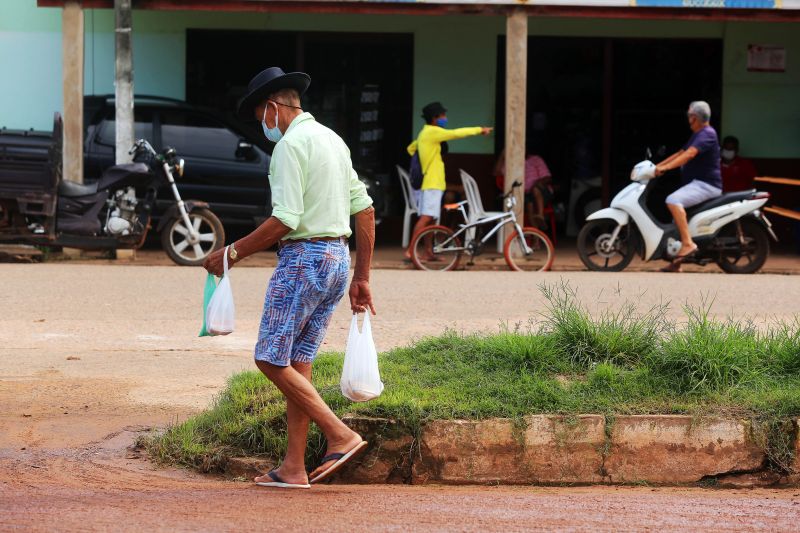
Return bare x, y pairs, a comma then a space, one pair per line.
729, 230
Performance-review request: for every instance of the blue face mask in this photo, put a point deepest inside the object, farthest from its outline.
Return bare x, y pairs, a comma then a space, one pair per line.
441, 122
273, 134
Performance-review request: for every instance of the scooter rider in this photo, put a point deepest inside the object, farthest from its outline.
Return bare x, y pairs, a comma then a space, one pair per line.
699, 161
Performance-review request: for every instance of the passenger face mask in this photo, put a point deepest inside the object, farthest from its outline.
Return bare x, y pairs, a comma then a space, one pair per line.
728, 155
441, 122
273, 134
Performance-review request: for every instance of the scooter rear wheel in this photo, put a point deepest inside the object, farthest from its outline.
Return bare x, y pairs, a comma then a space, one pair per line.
737, 257
176, 241
597, 251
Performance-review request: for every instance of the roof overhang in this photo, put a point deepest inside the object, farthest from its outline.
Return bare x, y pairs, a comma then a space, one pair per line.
753, 10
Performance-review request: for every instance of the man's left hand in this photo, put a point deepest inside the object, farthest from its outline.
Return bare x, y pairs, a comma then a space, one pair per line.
361, 297
213, 262
659, 170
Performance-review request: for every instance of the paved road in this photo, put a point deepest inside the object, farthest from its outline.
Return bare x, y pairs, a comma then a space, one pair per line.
90, 355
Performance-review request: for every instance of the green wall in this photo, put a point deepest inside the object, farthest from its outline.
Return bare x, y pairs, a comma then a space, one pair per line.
762, 109
454, 60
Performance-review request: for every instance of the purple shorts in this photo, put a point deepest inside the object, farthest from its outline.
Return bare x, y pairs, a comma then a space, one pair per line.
310, 280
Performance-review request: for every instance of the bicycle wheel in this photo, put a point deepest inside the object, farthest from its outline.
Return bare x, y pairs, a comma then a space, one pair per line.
431, 249
541, 256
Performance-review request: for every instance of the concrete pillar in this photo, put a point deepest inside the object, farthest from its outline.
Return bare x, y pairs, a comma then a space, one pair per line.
516, 96
124, 80
72, 59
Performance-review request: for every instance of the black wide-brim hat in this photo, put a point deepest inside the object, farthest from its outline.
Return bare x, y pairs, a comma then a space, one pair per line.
268, 82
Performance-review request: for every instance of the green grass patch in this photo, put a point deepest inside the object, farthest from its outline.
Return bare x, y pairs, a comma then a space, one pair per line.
617, 362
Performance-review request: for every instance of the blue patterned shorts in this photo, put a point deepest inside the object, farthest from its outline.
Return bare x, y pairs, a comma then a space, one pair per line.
303, 292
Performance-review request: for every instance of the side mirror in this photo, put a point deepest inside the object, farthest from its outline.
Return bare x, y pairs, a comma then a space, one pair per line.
648, 154
245, 150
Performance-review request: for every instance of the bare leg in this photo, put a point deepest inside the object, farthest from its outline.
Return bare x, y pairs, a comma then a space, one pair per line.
537, 218
422, 222
293, 467
299, 390
529, 212
679, 215
539, 197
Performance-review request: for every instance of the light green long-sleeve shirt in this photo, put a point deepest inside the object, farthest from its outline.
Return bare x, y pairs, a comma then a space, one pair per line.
314, 186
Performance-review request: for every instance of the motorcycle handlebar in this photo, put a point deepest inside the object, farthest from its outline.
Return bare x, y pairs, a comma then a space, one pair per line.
138, 145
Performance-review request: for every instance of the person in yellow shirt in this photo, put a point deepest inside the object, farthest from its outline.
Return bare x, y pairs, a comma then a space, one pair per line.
429, 144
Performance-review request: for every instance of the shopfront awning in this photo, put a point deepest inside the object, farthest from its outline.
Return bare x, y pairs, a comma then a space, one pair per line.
761, 10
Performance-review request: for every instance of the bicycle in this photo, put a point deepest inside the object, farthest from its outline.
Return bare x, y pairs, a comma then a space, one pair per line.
438, 248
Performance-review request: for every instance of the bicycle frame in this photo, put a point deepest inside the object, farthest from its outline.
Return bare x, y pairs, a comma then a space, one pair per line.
502, 220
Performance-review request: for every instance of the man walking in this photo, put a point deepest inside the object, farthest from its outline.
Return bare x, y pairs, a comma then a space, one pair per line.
314, 192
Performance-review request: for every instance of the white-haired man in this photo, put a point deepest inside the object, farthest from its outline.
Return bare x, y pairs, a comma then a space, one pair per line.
699, 161
314, 192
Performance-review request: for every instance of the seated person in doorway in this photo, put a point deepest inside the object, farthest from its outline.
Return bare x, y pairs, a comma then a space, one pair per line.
737, 172
538, 185
699, 161
429, 144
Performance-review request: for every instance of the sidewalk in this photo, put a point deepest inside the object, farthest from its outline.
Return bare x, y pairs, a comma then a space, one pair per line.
390, 257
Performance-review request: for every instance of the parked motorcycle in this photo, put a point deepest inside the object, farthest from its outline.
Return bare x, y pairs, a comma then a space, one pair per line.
730, 230
115, 212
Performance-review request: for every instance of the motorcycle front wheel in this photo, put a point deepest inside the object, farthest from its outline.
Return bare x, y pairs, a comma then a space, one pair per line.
178, 244
599, 253
743, 245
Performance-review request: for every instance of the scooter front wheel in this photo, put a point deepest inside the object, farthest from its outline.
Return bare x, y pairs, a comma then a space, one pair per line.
599, 252
179, 245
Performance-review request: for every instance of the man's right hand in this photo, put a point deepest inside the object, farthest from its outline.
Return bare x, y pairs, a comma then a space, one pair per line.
486, 131
361, 297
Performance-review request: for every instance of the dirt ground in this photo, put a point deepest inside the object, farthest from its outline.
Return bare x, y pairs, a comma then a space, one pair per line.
92, 355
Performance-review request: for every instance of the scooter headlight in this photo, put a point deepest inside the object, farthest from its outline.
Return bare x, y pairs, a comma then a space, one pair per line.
643, 171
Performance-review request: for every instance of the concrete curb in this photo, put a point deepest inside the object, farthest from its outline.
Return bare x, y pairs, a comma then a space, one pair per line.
564, 450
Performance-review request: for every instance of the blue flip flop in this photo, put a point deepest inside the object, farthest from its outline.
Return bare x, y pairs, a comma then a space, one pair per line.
341, 459
278, 483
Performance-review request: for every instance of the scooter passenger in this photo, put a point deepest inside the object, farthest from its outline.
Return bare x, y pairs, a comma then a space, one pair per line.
699, 161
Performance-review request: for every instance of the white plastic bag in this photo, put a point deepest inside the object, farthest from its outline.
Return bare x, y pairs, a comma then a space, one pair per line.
361, 380
220, 314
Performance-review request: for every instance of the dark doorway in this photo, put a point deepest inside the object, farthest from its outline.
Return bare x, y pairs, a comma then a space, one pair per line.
595, 105
361, 84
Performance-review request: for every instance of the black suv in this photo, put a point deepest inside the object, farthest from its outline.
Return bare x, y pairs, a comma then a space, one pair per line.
226, 160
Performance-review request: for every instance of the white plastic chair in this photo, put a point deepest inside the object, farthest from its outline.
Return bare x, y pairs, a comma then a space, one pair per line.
475, 211
411, 204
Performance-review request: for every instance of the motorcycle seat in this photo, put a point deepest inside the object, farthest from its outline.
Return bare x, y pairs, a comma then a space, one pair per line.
720, 200
112, 176
70, 189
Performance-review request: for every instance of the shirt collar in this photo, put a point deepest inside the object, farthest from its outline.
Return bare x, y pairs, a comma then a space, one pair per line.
302, 117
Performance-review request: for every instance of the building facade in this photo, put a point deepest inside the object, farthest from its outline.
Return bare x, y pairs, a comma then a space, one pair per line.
605, 78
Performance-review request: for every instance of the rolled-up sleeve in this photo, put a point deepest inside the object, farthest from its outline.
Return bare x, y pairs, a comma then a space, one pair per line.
286, 181
359, 199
